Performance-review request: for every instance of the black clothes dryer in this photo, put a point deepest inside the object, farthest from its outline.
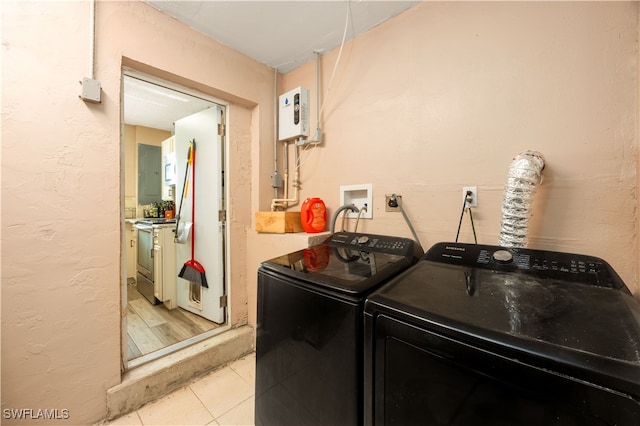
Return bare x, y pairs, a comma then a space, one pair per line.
483, 335
309, 359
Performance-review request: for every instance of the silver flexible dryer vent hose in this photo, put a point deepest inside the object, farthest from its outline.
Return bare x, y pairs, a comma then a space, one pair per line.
525, 173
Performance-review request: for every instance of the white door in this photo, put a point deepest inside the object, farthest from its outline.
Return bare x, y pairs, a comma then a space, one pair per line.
207, 226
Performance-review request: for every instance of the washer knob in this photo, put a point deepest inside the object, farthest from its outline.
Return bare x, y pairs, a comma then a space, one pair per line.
363, 239
503, 256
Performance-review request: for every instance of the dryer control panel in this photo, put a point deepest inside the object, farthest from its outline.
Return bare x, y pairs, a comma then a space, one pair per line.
375, 243
545, 264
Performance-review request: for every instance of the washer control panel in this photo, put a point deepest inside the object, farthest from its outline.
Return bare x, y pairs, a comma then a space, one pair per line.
545, 264
375, 243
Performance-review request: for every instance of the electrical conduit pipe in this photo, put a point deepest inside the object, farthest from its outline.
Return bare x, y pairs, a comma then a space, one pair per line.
286, 202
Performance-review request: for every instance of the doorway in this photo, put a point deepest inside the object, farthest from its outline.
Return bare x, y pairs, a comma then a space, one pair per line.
160, 114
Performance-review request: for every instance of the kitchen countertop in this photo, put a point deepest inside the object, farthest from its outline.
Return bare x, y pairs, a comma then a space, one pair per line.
142, 219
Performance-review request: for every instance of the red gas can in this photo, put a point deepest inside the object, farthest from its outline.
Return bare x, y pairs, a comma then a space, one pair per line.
313, 215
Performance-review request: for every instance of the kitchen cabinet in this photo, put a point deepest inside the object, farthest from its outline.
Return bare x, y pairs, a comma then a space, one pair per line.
168, 169
164, 265
131, 241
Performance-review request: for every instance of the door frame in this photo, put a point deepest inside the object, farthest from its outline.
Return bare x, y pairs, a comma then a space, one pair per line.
126, 364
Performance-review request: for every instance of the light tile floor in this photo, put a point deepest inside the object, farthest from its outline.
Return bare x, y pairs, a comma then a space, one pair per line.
223, 397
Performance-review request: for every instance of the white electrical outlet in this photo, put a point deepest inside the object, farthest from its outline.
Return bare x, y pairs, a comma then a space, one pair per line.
473, 202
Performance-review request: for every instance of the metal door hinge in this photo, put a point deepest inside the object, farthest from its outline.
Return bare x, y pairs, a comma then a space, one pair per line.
222, 215
221, 130
223, 301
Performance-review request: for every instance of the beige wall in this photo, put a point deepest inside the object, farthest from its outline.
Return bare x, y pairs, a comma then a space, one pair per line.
61, 186
441, 97
446, 94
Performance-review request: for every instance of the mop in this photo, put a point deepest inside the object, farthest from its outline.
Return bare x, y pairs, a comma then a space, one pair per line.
181, 234
192, 270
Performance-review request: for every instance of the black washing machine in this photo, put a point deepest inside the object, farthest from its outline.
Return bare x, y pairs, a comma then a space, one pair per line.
309, 341
483, 335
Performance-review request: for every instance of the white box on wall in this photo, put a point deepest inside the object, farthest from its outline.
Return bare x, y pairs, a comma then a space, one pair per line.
293, 114
359, 196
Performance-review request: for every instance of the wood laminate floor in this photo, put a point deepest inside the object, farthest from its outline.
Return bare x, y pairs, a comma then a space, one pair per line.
150, 328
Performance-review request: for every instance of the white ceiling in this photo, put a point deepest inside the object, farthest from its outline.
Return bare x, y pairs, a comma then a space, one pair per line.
280, 34
152, 105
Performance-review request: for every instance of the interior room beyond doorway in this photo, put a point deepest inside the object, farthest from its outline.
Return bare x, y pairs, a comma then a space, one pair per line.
153, 327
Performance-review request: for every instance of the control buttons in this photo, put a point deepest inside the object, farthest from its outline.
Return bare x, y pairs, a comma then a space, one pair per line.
375, 242
296, 109
363, 239
484, 257
503, 256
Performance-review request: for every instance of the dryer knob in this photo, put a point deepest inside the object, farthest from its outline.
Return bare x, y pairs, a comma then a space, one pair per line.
503, 256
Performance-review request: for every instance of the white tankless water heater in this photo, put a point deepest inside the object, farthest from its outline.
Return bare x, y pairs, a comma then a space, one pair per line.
293, 113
